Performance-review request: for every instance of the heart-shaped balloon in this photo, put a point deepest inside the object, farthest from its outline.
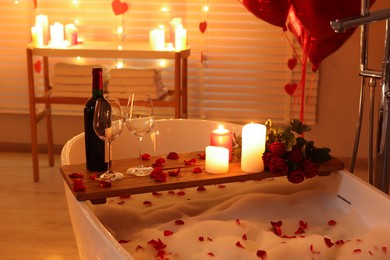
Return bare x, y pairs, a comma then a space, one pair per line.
118, 7
290, 88
203, 26
38, 66
272, 11
310, 23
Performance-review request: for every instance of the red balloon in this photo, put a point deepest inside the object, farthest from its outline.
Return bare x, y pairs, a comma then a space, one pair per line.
310, 23
272, 11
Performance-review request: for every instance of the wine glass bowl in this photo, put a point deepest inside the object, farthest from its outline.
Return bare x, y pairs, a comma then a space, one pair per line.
108, 125
140, 121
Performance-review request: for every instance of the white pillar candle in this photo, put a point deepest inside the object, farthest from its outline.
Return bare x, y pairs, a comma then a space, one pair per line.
43, 22
37, 36
157, 39
180, 39
217, 160
253, 147
57, 35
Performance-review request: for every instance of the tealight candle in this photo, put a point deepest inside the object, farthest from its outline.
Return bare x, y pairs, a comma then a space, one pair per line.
253, 147
57, 35
157, 39
222, 137
217, 160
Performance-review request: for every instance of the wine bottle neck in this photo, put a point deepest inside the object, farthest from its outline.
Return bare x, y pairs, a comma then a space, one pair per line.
97, 82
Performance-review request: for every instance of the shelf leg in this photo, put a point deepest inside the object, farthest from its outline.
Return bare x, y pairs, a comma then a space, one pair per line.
49, 127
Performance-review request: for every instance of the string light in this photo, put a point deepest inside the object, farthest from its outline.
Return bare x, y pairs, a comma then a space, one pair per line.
206, 8
162, 63
164, 9
16, 2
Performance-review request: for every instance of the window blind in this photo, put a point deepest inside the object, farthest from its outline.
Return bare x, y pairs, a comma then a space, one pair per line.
237, 68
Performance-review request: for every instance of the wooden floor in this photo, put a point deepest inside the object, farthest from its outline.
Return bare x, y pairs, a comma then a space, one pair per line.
34, 222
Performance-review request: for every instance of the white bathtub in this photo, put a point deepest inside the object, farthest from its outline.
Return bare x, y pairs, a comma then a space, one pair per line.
96, 242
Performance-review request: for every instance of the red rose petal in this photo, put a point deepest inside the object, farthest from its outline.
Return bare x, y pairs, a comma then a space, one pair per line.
158, 174
121, 202
190, 162
332, 222
157, 244
261, 254
156, 193
196, 170
104, 184
173, 156
93, 176
139, 248
160, 162
78, 185
238, 244
122, 241
371, 253
201, 188
285, 236
384, 249
244, 237
357, 250
209, 239
145, 157
277, 224
303, 224
171, 192
202, 155
238, 221
179, 222
328, 242
300, 230
147, 203
181, 193
127, 196
221, 186
168, 233
210, 254
174, 172
201, 238
76, 175
312, 249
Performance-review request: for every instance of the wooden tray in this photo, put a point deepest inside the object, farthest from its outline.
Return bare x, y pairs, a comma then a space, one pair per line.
134, 185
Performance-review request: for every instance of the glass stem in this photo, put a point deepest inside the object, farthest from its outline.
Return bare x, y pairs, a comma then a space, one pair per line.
109, 170
139, 151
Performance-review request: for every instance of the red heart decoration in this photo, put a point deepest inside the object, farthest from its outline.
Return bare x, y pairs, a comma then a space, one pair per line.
38, 66
290, 88
203, 26
118, 7
291, 63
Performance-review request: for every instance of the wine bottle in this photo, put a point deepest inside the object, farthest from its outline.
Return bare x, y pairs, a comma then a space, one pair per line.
94, 146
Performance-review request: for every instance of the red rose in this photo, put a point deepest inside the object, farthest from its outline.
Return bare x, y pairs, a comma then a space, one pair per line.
277, 148
278, 166
267, 156
158, 175
296, 176
310, 169
296, 155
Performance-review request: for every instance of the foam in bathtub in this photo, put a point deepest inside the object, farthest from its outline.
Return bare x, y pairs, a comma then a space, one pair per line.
233, 221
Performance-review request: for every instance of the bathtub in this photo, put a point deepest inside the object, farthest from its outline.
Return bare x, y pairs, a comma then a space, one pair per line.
95, 241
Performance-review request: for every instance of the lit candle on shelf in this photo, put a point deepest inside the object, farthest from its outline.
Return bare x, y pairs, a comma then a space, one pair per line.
222, 137
42, 21
57, 35
217, 160
71, 34
157, 39
180, 38
253, 147
37, 36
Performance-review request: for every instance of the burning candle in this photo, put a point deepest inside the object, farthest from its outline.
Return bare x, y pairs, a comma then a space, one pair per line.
157, 39
253, 147
222, 137
37, 36
42, 21
180, 38
217, 160
57, 35
71, 34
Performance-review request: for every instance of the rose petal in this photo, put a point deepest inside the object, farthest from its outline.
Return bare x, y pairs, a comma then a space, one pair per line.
210, 254
201, 238
197, 170
238, 244
179, 222
277, 224
157, 244
357, 250
127, 196
173, 156
303, 224
93, 176
147, 203
76, 175
174, 172
384, 249
156, 193
160, 162
123, 241
201, 188
238, 221
181, 193
261, 254
78, 185
145, 157
190, 162
328, 242
139, 248
312, 250
168, 233
300, 230
221, 186
202, 155
244, 237
171, 192
332, 222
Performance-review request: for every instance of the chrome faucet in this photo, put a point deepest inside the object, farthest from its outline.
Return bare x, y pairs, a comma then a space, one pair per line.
382, 170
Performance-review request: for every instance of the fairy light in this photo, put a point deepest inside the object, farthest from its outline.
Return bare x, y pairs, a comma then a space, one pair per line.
164, 9
206, 8
16, 2
75, 2
162, 63
119, 64
119, 30
76, 21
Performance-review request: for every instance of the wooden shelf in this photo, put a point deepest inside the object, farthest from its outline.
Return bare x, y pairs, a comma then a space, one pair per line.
176, 99
135, 185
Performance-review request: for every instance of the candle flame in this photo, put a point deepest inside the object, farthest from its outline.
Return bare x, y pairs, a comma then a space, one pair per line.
220, 127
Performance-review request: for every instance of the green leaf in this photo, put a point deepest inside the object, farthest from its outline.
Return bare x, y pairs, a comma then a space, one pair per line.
298, 127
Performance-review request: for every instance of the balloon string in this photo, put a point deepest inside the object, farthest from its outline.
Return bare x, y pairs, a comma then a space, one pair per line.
292, 47
310, 88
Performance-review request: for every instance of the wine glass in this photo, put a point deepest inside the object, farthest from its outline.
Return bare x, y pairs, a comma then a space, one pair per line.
140, 121
108, 125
